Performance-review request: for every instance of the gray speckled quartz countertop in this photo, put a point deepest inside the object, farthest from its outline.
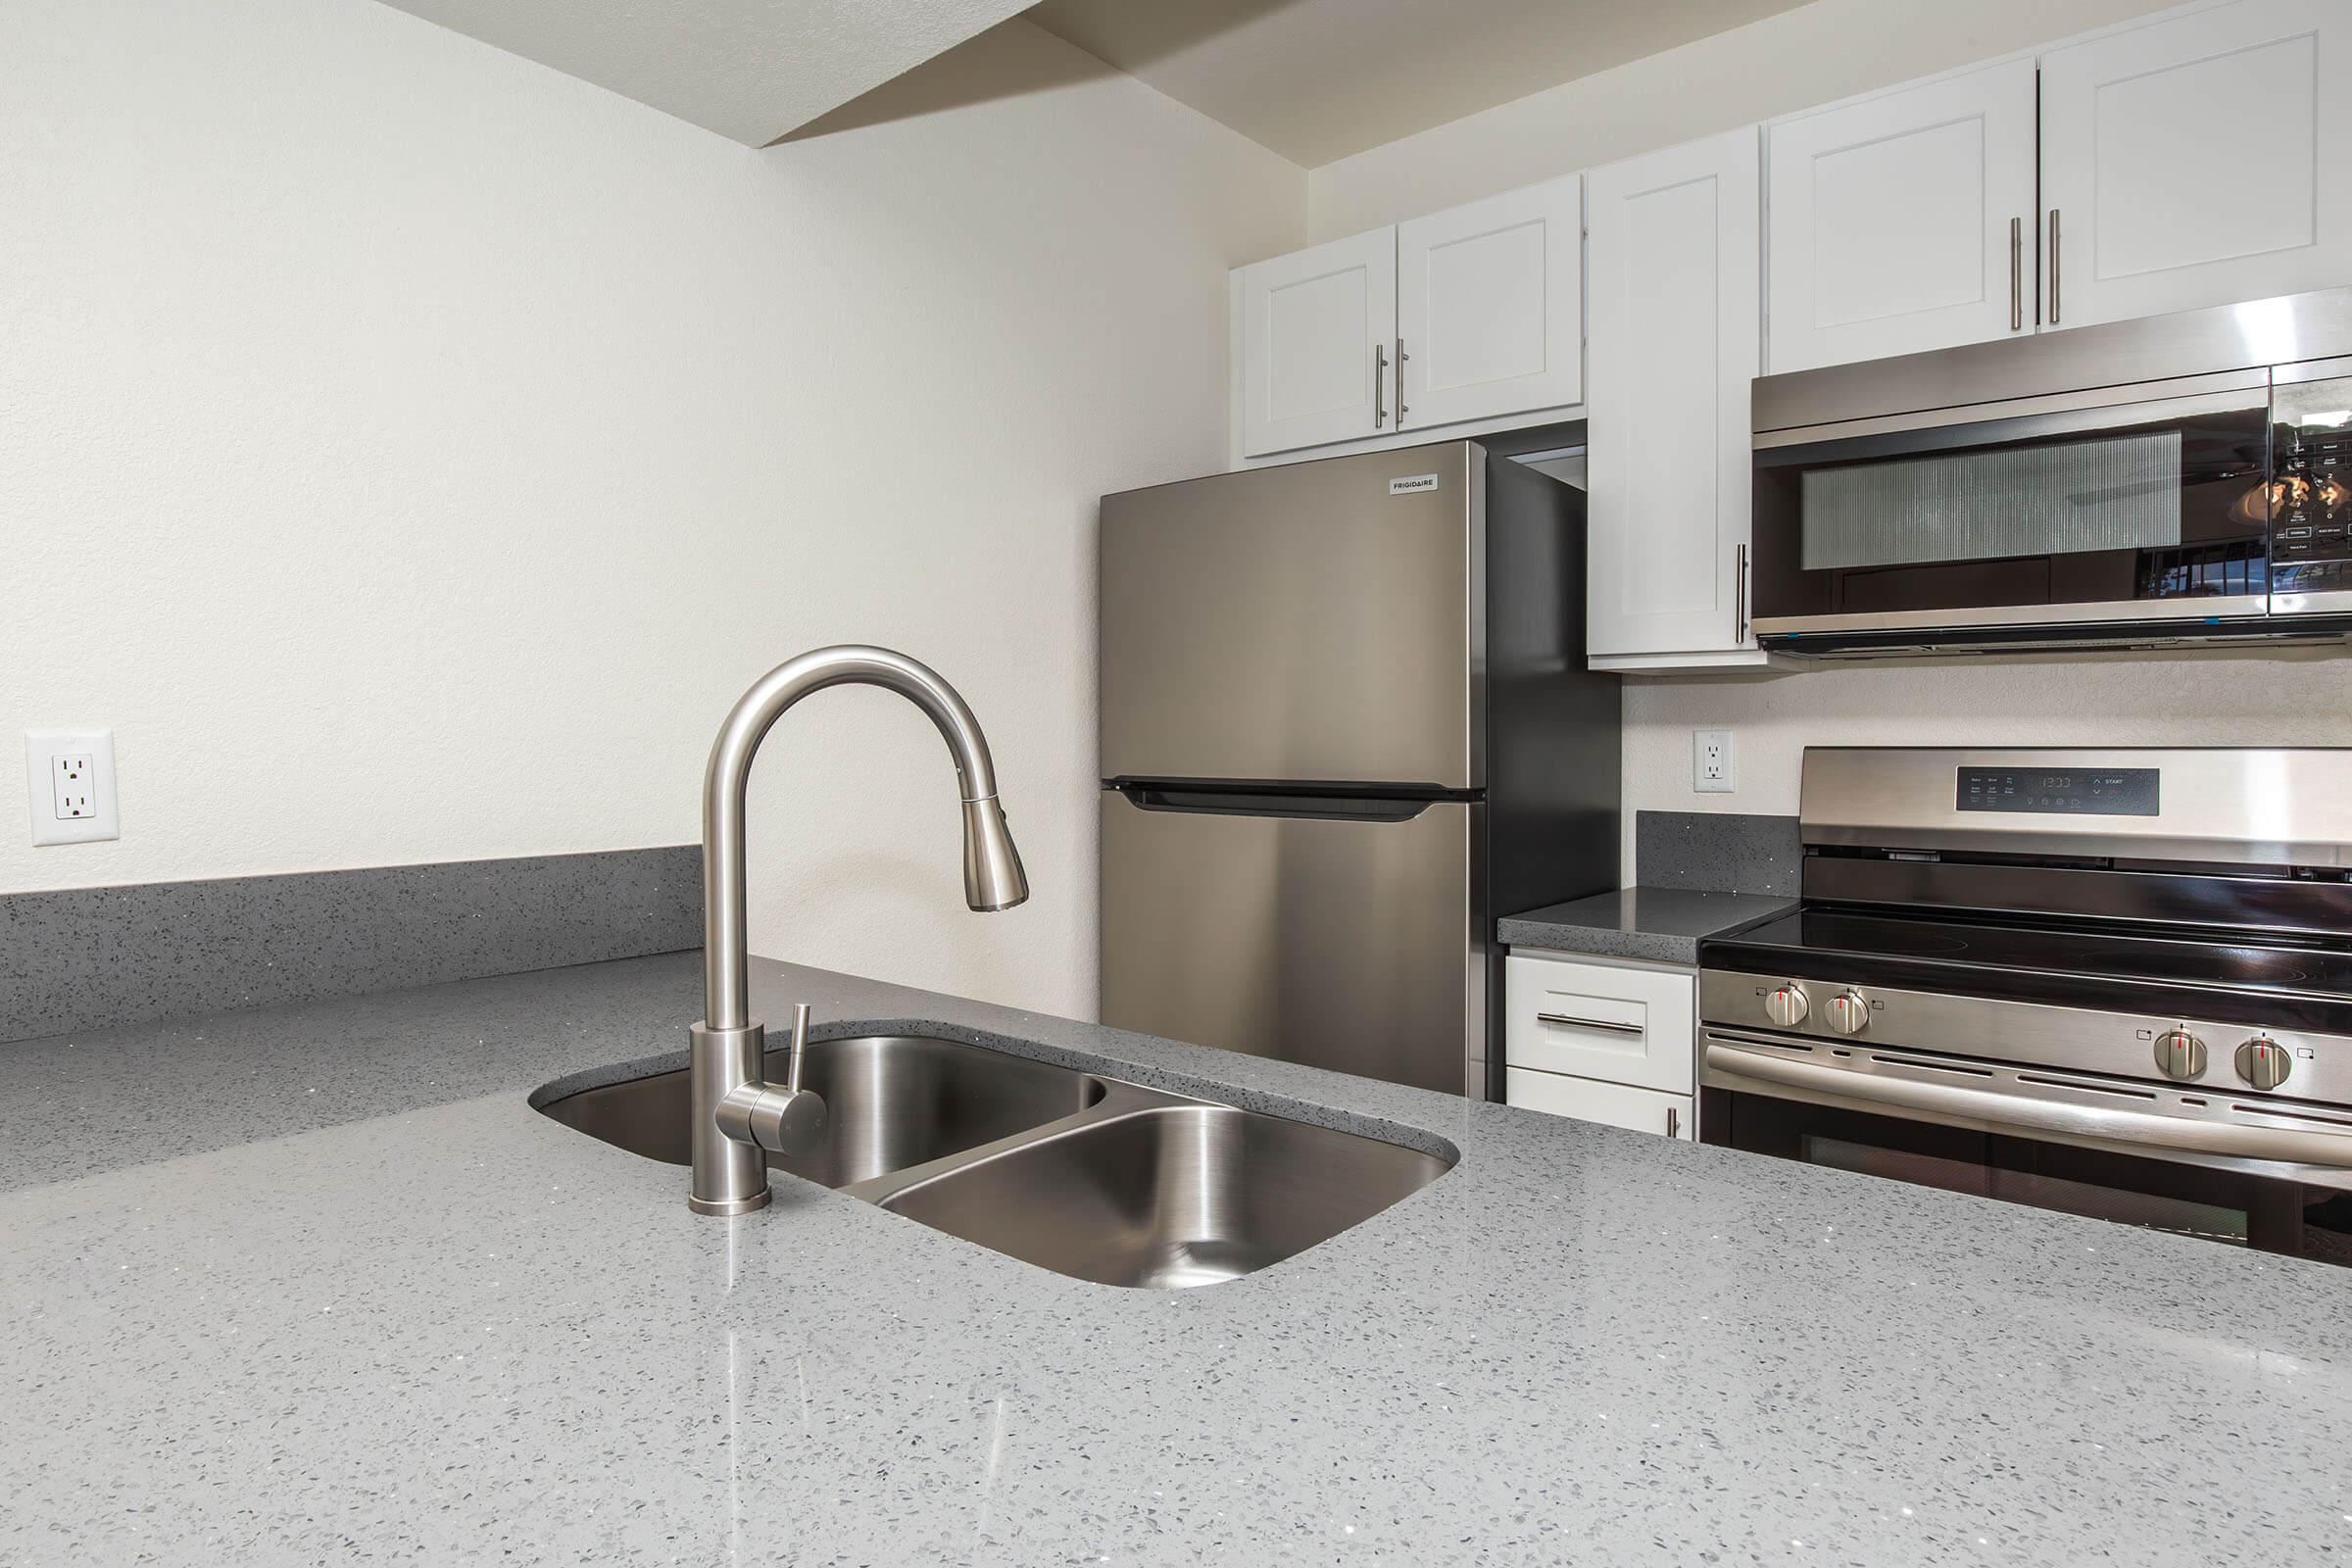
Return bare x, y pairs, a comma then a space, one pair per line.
1661, 924
314, 1284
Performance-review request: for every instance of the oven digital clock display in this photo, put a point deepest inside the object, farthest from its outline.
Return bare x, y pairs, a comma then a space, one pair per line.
2074, 792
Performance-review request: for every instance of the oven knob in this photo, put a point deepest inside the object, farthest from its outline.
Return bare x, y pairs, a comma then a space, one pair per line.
1847, 1012
2264, 1062
1786, 1005
2179, 1054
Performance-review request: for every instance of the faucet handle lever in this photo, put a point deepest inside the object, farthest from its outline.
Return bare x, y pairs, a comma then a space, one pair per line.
783, 1119
797, 1045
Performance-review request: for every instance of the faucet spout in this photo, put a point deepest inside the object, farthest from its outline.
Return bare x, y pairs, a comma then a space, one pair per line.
993, 878
731, 1173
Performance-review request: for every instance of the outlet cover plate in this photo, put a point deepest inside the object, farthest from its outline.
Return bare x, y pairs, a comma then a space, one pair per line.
68, 808
1711, 761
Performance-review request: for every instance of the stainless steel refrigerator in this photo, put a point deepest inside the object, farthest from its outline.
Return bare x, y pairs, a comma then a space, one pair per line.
1345, 723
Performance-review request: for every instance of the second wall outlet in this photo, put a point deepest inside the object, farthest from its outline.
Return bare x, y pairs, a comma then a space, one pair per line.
1711, 761
70, 778
73, 785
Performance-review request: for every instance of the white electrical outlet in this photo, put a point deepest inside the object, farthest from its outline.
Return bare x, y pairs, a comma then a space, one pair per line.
1711, 761
69, 777
69, 783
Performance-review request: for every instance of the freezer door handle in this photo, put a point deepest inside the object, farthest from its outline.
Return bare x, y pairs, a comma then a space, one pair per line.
1277, 802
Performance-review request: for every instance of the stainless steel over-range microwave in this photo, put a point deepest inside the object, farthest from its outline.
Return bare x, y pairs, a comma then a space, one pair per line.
2181, 479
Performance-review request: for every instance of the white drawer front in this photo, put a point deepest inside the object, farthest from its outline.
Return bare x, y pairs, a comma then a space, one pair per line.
1643, 1111
1598, 1020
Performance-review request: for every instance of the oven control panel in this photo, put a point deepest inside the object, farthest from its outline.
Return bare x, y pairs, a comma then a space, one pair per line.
1855, 1025
2074, 792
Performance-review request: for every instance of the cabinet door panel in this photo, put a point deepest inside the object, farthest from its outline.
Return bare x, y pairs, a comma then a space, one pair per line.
1673, 343
1642, 1110
1600, 1021
1890, 221
1489, 307
2199, 161
1317, 327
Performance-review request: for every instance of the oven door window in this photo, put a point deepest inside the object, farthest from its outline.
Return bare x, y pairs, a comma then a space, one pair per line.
2262, 1213
2153, 502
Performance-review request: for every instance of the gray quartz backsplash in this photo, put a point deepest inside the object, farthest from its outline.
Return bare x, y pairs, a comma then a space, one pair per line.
1717, 851
95, 958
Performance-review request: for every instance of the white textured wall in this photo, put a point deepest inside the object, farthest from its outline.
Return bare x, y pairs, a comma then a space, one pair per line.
1801, 59
410, 451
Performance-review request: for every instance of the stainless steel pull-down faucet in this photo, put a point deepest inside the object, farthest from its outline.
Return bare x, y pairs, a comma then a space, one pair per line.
738, 1116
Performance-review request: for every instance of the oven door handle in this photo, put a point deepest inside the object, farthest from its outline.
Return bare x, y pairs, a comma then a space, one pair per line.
1728, 1064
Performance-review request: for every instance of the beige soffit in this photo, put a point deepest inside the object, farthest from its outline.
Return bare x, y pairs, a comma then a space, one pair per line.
752, 70
1318, 79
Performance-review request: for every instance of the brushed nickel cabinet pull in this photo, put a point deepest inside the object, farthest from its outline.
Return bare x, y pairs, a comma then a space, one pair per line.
1402, 410
1609, 1024
1740, 596
1674, 1121
2053, 266
2017, 274
1380, 374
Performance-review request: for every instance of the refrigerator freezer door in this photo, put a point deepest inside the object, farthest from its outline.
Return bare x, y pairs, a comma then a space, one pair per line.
1339, 944
1310, 622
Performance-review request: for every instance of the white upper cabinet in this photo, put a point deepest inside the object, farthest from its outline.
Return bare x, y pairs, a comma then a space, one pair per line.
1903, 223
1317, 327
2203, 157
1672, 249
2198, 161
1489, 307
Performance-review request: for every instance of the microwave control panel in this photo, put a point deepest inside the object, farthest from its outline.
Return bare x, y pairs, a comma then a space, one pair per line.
2311, 518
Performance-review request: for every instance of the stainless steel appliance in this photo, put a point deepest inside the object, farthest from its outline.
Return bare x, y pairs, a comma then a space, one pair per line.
2159, 481
2117, 982
1345, 721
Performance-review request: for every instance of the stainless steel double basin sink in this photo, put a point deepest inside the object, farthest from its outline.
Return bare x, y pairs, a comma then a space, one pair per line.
1081, 1174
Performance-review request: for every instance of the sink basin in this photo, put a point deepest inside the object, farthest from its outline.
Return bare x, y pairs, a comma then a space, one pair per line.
893, 1101
1179, 1196
1084, 1175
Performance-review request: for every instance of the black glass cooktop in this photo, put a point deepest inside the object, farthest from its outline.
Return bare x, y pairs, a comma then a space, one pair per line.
2290, 983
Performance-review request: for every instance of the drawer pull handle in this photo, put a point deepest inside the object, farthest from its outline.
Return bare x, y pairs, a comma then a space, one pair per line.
1609, 1024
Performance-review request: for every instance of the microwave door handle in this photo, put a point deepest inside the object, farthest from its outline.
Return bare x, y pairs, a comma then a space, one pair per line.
1728, 1065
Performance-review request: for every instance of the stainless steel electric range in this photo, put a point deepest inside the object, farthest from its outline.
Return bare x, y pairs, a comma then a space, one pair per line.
2116, 983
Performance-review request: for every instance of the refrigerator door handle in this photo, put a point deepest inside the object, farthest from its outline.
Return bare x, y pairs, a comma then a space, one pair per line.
1276, 801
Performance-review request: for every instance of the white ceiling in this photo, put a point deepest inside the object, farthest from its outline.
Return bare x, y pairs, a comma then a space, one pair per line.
750, 69
1318, 79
